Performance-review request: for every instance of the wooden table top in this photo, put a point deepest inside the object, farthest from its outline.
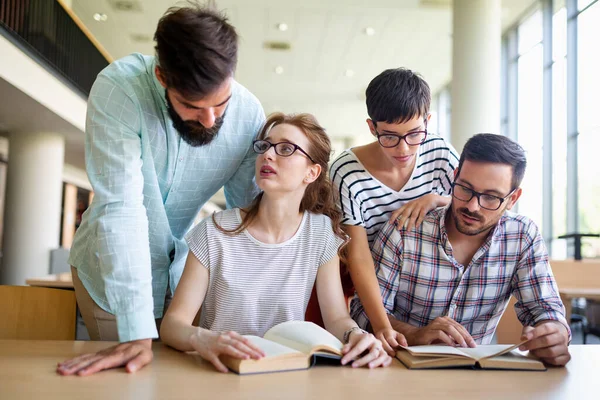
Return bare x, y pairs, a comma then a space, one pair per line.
62, 281
27, 370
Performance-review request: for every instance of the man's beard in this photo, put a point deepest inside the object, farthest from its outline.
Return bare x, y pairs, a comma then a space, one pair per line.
471, 230
193, 132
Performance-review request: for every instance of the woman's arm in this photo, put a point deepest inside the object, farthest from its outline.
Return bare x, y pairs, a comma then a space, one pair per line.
177, 330
362, 271
176, 327
337, 320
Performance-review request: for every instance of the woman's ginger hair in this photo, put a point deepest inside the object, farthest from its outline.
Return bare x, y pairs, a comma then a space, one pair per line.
319, 197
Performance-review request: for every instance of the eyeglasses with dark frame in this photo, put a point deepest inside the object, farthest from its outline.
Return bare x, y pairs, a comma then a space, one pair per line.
390, 140
485, 201
283, 149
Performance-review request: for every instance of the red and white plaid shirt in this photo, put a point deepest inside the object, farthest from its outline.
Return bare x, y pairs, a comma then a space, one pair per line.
420, 280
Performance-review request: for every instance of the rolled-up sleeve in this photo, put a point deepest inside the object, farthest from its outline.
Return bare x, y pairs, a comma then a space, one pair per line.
114, 166
534, 287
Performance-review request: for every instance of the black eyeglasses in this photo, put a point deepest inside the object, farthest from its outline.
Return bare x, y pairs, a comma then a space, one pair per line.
412, 139
283, 149
486, 201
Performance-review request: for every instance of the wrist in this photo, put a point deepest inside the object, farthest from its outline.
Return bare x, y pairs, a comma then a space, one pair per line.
352, 331
143, 342
410, 333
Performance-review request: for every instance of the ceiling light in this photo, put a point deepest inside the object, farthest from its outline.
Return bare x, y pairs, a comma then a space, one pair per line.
100, 17
349, 73
369, 31
282, 26
279, 70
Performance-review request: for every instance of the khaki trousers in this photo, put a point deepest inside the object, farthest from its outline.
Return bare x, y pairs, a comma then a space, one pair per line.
100, 324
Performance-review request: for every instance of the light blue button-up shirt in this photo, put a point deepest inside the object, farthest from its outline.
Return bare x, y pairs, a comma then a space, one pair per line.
149, 186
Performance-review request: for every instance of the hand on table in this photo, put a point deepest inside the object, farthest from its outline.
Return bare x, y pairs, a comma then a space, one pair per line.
133, 355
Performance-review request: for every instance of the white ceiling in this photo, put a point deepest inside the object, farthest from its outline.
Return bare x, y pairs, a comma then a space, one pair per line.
327, 38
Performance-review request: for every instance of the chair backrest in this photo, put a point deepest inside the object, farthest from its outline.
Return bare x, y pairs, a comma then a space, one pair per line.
37, 313
59, 261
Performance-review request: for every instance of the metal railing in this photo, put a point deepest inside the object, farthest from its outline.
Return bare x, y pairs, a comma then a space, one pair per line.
45, 30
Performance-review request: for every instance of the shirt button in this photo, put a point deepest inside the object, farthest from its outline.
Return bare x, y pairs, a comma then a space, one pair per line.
181, 159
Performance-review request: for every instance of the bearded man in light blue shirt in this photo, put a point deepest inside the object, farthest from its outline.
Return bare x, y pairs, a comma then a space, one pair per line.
163, 135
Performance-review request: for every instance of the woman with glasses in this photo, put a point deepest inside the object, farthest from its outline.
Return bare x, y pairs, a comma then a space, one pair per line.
405, 173
251, 269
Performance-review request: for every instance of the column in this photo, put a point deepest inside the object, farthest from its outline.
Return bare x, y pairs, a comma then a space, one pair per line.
33, 205
475, 69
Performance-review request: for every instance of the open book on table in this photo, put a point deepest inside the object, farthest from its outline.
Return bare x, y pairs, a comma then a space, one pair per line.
288, 346
498, 356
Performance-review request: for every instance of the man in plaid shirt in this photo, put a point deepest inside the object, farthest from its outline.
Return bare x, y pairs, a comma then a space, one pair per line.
450, 279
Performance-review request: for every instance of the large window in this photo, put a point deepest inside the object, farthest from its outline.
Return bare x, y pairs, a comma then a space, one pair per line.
588, 121
530, 122
559, 132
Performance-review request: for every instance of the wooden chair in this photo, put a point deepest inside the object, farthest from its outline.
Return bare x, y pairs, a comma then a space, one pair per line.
37, 313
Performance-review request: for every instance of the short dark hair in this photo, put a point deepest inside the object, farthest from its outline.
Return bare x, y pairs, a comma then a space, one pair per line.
398, 95
491, 148
196, 50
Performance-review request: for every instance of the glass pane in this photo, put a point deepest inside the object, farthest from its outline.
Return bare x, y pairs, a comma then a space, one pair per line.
559, 157
559, 134
589, 126
559, 34
530, 32
529, 131
581, 4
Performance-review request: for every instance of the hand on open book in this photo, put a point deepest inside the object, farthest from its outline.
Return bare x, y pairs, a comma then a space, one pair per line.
391, 340
441, 330
369, 347
210, 345
133, 355
548, 341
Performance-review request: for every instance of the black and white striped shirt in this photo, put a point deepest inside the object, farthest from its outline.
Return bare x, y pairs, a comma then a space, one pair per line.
367, 202
254, 286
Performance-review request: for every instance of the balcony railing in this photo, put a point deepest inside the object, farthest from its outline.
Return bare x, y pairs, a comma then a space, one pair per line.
54, 36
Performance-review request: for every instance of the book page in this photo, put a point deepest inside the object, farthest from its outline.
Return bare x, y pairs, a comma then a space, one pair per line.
303, 336
270, 348
435, 351
489, 350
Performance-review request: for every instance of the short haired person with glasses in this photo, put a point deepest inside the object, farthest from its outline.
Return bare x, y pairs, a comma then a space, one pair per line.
250, 269
450, 280
406, 172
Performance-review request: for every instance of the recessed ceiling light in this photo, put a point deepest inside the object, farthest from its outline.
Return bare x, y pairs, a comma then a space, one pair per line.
282, 26
369, 31
279, 70
100, 17
349, 73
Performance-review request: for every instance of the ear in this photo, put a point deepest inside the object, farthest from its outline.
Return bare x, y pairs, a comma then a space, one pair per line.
314, 172
371, 126
512, 200
427, 118
160, 77
455, 173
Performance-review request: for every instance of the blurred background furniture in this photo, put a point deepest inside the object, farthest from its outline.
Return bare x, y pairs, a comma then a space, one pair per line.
35, 313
